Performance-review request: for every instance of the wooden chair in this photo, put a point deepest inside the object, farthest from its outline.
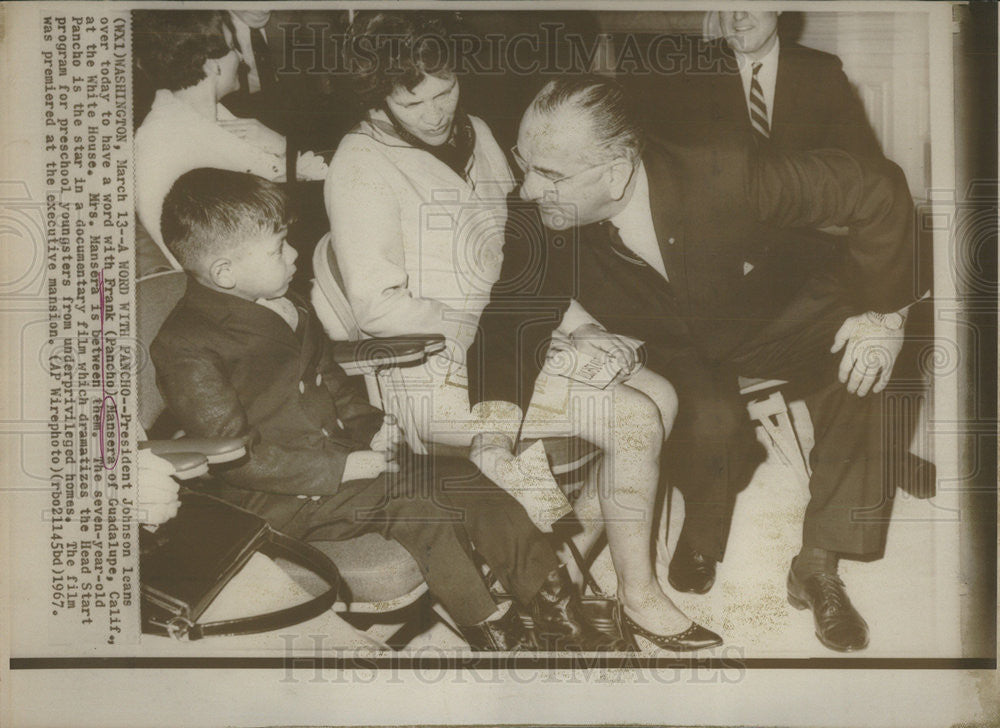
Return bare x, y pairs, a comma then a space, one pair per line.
766, 405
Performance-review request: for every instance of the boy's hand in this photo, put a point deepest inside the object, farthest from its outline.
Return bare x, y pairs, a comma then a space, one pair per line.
367, 464
158, 492
389, 438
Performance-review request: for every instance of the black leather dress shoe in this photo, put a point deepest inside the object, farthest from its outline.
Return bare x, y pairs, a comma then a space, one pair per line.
691, 571
694, 637
559, 621
838, 624
501, 635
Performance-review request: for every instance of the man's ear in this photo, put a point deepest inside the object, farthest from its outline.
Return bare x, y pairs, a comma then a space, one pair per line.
220, 272
621, 171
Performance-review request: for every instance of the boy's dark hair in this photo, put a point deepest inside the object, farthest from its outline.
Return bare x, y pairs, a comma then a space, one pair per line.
213, 212
172, 45
389, 49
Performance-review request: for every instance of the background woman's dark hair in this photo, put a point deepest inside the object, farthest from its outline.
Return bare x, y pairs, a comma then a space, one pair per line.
384, 50
171, 46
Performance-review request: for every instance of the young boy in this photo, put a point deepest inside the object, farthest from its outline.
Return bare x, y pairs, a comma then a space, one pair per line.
242, 355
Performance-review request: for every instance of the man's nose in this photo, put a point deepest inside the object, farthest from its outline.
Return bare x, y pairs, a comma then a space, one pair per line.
739, 14
531, 188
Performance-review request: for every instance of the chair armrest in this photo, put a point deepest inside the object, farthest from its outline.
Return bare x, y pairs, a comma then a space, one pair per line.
369, 355
186, 465
215, 450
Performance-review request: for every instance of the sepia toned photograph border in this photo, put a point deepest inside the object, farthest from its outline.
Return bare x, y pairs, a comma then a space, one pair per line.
877, 128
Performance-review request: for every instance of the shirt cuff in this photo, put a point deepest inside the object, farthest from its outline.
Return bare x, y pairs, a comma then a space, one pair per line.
575, 317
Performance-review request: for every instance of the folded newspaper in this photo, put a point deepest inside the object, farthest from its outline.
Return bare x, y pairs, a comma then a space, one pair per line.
600, 370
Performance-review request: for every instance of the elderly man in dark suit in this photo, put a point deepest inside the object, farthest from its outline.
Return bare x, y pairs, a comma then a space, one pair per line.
653, 243
788, 97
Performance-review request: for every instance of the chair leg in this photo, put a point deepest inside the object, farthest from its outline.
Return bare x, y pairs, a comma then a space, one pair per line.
413, 620
772, 415
661, 553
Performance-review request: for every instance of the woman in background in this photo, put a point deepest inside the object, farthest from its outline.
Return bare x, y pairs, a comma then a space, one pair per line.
191, 58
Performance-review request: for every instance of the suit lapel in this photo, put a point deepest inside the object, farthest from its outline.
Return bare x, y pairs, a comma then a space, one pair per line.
246, 317
665, 206
310, 335
782, 87
791, 77
732, 101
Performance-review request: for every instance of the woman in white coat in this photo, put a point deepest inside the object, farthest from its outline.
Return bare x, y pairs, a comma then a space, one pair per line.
416, 195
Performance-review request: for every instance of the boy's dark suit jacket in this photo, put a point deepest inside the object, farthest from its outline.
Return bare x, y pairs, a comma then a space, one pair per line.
229, 367
712, 205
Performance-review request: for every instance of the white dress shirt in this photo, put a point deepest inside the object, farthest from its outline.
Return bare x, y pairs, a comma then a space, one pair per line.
635, 226
767, 76
283, 307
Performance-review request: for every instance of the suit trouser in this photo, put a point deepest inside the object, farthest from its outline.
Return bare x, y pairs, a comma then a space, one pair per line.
850, 498
437, 508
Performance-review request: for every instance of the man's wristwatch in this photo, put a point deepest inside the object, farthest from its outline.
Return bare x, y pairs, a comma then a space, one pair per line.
893, 321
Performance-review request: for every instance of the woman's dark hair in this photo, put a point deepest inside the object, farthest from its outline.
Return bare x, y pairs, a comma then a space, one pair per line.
385, 50
172, 45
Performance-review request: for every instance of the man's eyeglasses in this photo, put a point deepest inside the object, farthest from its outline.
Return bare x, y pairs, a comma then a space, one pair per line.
549, 176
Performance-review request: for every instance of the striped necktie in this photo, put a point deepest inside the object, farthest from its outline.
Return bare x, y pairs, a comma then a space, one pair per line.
758, 106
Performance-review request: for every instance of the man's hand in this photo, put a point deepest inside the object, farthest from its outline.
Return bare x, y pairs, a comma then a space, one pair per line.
158, 492
591, 340
870, 351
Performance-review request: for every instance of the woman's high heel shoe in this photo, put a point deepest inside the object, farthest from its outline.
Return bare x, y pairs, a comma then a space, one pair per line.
694, 637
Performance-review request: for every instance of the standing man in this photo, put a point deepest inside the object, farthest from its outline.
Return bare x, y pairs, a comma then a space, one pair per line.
793, 96
653, 243
286, 78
